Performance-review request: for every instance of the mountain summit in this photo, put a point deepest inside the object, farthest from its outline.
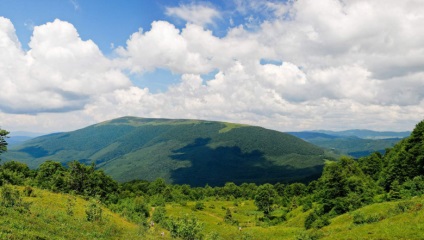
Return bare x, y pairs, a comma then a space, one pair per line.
191, 152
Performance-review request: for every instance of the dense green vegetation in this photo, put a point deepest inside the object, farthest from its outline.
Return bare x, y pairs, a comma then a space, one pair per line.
180, 151
378, 197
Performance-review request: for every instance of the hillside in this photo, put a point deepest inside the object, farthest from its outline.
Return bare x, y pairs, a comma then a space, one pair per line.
40, 214
355, 143
366, 134
180, 151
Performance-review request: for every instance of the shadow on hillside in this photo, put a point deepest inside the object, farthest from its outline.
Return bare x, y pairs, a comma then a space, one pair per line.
216, 166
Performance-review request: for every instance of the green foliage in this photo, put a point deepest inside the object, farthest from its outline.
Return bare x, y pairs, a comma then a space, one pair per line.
199, 206
372, 165
70, 205
179, 151
14, 173
344, 187
9, 197
265, 197
3, 143
228, 216
28, 191
159, 215
52, 175
187, 228
94, 211
405, 160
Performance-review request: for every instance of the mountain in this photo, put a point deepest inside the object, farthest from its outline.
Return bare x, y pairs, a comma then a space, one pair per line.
191, 152
366, 134
355, 143
18, 137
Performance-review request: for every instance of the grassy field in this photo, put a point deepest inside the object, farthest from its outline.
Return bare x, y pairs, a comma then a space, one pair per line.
389, 220
48, 217
244, 215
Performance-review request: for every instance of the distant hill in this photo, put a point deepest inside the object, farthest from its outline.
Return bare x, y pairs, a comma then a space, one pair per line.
18, 137
366, 134
356, 143
180, 151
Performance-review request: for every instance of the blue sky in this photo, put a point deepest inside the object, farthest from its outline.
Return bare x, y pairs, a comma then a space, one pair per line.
110, 23
285, 65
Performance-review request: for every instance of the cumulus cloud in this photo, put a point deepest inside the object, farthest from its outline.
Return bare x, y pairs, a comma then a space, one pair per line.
333, 65
199, 14
59, 73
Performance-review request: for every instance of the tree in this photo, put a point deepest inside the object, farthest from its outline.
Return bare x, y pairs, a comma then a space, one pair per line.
265, 197
3, 143
51, 175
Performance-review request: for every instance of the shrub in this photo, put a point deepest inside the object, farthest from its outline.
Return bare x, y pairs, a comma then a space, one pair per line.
94, 211
358, 218
70, 204
159, 215
28, 191
187, 228
199, 206
9, 196
228, 216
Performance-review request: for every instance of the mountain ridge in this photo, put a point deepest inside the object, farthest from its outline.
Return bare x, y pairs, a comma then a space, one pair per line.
195, 152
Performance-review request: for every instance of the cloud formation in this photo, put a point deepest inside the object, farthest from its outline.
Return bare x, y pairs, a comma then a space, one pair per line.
199, 14
60, 73
329, 64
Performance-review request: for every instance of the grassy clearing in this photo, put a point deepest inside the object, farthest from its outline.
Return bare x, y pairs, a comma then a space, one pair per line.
244, 215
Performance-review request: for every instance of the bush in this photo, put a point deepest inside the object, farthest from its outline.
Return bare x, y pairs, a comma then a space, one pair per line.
358, 218
28, 191
199, 206
94, 211
316, 220
228, 216
187, 228
70, 204
9, 196
159, 215
403, 207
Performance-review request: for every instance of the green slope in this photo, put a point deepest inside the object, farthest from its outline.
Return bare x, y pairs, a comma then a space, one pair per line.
50, 215
350, 145
180, 151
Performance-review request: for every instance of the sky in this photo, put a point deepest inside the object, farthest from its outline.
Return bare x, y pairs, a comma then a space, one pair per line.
285, 65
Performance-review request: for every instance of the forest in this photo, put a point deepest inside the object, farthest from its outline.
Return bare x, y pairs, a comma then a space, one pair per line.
379, 190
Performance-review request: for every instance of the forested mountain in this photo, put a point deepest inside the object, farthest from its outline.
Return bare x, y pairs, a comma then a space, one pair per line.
366, 134
180, 151
355, 143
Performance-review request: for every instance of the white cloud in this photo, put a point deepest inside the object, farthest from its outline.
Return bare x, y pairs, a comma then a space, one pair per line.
59, 73
199, 14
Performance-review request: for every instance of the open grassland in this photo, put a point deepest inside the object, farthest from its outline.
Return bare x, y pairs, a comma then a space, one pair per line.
50, 215
245, 222
389, 220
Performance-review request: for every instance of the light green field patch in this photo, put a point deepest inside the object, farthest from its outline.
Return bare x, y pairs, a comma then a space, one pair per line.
229, 126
